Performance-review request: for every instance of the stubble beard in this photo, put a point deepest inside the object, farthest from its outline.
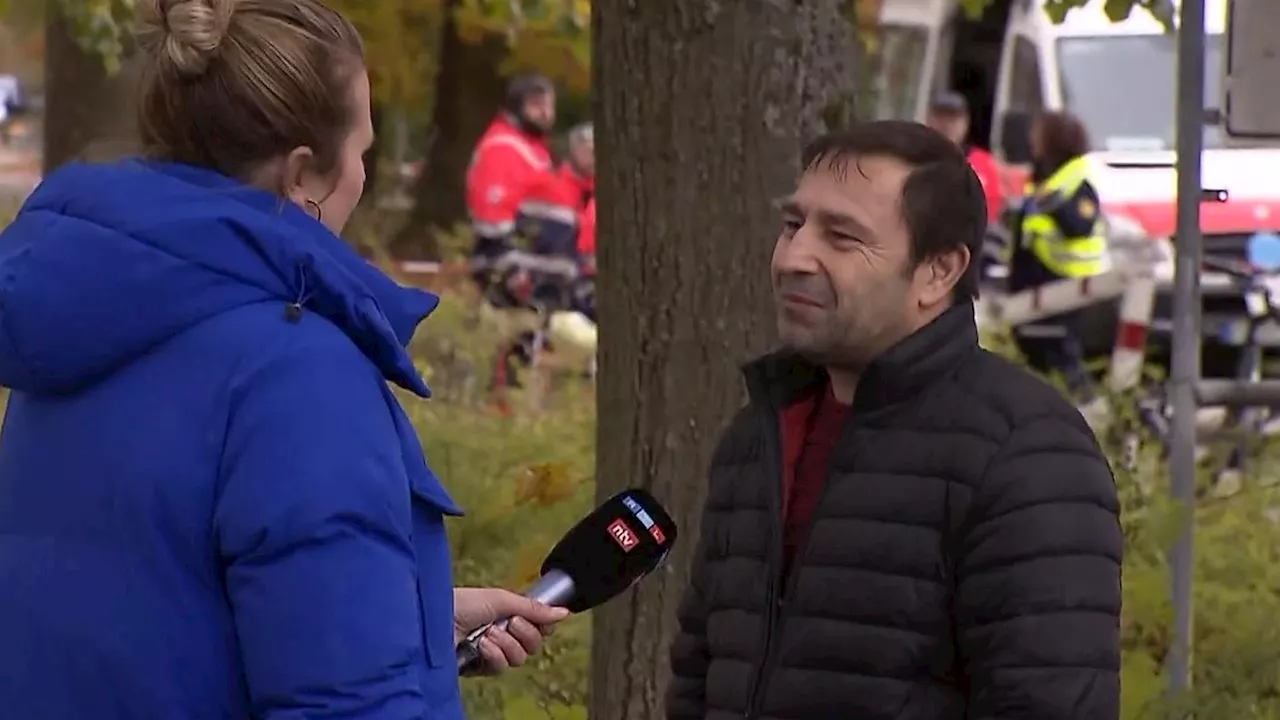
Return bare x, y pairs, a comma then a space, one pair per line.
820, 344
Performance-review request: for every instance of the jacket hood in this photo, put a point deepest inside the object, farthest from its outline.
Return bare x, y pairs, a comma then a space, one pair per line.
106, 262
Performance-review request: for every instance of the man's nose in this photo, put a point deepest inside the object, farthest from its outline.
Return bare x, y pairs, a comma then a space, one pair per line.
798, 254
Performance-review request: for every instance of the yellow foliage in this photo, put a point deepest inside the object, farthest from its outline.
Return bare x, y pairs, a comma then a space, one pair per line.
400, 42
545, 484
564, 59
527, 565
550, 35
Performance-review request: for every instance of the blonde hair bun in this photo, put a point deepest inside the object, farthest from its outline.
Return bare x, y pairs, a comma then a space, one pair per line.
185, 34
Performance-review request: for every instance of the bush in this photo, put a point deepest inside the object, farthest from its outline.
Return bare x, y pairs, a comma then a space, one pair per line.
523, 480
1237, 587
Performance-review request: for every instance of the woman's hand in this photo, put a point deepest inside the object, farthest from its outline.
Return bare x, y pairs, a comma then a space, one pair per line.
501, 649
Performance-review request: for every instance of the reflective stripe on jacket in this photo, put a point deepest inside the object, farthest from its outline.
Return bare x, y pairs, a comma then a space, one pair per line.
1066, 256
505, 167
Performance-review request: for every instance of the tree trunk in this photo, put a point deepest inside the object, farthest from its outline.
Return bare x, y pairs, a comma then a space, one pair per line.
701, 108
88, 114
469, 90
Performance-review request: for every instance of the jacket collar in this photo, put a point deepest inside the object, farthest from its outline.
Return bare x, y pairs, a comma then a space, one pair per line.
903, 371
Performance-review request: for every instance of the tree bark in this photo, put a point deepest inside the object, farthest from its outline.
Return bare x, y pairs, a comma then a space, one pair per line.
469, 90
88, 114
702, 107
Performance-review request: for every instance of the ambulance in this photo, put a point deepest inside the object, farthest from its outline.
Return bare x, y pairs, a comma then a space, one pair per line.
1120, 79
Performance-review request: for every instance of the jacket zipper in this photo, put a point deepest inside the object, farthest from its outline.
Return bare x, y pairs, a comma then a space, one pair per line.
775, 558
779, 608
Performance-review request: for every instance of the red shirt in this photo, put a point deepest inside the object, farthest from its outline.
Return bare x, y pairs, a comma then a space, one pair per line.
811, 430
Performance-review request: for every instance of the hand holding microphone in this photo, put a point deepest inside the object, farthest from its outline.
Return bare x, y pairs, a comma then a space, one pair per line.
604, 554
531, 621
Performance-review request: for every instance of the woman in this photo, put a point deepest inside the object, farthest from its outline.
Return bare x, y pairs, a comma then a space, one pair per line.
1060, 234
211, 504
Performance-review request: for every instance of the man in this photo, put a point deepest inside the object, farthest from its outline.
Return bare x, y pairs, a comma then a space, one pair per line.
513, 191
949, 115
512, 187
578, 171
578, 176
899, 525
1060, 233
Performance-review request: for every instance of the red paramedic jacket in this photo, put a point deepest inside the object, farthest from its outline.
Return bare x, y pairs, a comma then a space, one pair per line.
581, 190
580, 187
512, 187
587, 233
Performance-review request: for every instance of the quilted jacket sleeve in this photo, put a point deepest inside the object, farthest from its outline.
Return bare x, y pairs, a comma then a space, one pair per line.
1038, 579
312, 527
686, 695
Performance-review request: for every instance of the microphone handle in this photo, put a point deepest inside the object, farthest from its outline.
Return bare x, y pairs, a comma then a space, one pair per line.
554, 589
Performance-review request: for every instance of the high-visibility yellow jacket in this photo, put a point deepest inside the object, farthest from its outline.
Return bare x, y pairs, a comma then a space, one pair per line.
1062, 253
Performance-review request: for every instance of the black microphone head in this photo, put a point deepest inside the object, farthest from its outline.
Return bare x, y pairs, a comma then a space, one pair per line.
610, 549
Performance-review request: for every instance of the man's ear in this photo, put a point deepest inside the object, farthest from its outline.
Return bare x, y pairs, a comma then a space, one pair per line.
939, 274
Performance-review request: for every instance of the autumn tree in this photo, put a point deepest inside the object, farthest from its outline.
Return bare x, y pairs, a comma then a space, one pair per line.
481, 44
468, 91
91, 74
401, 39
701, 109
438, 63
89, 85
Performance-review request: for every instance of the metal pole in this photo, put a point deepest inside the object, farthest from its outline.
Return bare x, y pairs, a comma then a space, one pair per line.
1185, 373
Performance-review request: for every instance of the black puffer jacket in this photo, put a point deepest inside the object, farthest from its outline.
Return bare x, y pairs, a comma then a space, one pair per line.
964, 561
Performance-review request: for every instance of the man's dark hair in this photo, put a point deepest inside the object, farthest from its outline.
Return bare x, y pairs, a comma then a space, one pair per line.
522, 88
1063, 138
949, 104
943, 205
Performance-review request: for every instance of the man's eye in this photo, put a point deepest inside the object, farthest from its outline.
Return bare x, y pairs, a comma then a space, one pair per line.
844, 239
790, 226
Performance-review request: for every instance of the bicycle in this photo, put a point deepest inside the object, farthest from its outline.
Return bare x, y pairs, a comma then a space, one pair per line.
1258, 278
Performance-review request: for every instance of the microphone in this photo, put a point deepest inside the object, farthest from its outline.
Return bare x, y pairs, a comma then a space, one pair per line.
607, 552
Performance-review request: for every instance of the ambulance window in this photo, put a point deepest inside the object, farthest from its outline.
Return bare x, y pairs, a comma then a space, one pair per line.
1025, 91
1139, 74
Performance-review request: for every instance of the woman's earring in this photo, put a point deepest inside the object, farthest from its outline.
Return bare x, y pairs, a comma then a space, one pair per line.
313, 204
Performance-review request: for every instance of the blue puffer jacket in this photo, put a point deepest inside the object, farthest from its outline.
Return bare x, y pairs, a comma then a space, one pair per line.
211, 504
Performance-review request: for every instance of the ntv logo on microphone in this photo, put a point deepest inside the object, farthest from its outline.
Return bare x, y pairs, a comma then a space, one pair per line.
623, 535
